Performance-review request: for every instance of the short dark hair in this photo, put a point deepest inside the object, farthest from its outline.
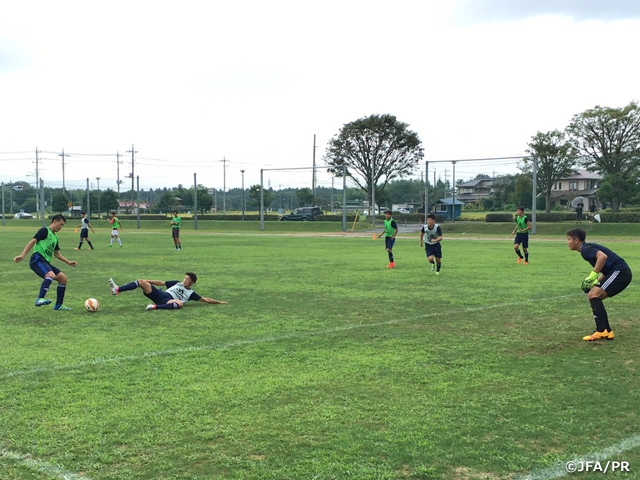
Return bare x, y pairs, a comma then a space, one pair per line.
431, 215
578, 234
520, 208
113, 212
387, 211
174, 211
58, 216
83, 213
192, 276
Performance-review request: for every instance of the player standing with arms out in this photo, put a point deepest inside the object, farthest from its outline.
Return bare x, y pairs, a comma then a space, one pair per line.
115, 229
45, 246
84, 231
523, 225
610, 275
176, 221
390, 231
433, 248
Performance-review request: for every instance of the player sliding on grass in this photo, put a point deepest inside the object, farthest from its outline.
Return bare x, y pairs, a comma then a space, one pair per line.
45, 246
174, 297
609, 277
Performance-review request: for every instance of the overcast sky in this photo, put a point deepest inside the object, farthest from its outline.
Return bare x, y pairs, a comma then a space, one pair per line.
192, 82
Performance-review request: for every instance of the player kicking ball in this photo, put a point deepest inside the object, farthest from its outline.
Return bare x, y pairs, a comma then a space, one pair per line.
610, 276
174, 297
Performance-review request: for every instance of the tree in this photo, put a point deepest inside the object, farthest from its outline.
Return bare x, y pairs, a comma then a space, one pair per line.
375, 150
205, 201
166, 202
109, 201
254, 197
305, 197
608, 141
555, 161
619, 188
59, 202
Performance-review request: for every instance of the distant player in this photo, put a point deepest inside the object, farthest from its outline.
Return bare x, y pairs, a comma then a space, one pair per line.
609, 277
433, 234
45, 246
390, 231
84, 231
523, 225
173, 298
176, 221
115, 229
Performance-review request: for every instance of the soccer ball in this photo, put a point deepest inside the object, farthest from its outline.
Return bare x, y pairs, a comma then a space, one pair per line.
91, 305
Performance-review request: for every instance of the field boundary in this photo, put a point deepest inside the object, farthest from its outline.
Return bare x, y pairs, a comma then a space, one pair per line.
53, 471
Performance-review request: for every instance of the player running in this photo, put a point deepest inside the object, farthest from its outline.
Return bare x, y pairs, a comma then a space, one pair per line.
84, 231
523, 225
115, 229
433, 248
45, 246
174, 297
390, 231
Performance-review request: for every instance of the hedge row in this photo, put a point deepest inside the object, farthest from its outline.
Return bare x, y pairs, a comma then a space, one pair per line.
606, 217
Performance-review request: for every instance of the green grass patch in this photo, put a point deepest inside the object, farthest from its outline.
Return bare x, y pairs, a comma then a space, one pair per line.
324, 364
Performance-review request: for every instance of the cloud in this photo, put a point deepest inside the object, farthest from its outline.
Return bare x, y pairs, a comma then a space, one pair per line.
482, 11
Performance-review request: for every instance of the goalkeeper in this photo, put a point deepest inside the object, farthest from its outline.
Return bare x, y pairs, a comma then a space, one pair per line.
609, 277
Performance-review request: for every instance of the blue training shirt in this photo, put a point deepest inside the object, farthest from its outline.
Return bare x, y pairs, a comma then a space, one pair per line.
614, 261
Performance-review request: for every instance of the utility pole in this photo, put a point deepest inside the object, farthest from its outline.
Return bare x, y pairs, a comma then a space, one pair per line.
132, 152
118, 162
224, 184
243, 196
98, 179
63, 155
313, 178
37, 184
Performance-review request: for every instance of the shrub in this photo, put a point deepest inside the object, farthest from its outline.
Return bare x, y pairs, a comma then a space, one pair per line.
499, 217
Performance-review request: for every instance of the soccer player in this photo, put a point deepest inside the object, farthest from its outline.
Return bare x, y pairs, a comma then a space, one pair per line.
176, 221
84, 231
390, 231
45, 246
174, 297
523, 225
115, 228
432, 242
609, 277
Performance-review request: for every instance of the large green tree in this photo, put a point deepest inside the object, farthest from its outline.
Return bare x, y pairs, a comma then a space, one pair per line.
608, 142
375, 150
109, 201
254, 197
555, 160
59, 202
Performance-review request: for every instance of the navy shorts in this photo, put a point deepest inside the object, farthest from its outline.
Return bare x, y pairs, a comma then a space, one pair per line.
388, 242
522, 239
157, 296
175, 233
434, 250
616, 282
84, 233
40, 266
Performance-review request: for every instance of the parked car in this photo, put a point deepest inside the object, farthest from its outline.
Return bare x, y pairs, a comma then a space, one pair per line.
302, 214
20, 215
403, 210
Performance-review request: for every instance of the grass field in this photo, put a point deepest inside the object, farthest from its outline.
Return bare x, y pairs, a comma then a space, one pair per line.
323, 365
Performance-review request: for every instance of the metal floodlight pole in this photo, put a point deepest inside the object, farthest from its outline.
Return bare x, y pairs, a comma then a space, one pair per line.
138, 199
344, 197
195, 201
42, 200
98, 179
243, 196
426, 191
3, 204
453, 190
533, 204
88, 209
372, 209
261, 200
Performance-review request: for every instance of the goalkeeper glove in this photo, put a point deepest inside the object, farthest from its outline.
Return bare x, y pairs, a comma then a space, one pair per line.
589, 282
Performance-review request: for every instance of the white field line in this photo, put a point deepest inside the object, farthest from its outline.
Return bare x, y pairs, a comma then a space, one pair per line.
240, 343
560, 470
47, 468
